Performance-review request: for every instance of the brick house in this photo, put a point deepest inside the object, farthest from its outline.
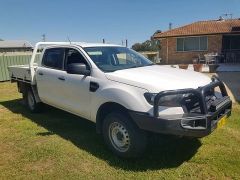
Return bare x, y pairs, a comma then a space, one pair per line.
183, 44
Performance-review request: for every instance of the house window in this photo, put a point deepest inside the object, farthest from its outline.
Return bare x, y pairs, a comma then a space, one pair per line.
192, 43
231, 42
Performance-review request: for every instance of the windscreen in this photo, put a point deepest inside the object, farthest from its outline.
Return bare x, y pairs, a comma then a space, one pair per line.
110, 59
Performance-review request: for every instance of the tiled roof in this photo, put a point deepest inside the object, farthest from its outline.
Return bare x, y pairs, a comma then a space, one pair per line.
203, 27
15, 44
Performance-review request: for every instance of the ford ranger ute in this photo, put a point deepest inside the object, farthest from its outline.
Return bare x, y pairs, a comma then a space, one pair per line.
125, 94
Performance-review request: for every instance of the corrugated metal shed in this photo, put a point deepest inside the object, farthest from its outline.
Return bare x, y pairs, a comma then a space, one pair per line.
9, 60
15, 44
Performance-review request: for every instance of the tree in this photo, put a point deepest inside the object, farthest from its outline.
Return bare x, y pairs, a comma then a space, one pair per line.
138, 47
148, 45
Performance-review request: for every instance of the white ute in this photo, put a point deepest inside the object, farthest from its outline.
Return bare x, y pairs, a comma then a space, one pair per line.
125, 94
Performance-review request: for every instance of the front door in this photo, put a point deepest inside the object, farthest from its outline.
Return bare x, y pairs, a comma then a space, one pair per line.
76, 86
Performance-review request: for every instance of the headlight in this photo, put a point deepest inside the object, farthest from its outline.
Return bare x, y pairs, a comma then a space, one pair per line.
150, 97
169, 100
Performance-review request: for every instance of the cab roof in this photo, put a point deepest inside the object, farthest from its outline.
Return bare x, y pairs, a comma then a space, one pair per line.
82, 44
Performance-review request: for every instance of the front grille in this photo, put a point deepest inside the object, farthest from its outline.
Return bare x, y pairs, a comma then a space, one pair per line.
209, 100
218, 103
191, 104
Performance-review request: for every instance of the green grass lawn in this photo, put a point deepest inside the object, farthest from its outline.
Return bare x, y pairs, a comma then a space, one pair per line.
58, 145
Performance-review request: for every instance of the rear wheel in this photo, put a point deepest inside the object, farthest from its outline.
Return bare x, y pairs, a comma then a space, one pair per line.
122, 136
33, 106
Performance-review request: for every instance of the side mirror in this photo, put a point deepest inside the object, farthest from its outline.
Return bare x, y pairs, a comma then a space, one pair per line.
78, 68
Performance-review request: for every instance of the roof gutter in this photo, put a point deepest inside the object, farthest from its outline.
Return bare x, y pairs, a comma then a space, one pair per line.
226, 33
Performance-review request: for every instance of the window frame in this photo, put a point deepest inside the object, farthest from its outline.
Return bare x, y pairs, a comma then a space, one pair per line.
199, 37
65, 58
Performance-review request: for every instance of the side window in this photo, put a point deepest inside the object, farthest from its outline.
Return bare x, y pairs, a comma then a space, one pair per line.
74, 56
53, 58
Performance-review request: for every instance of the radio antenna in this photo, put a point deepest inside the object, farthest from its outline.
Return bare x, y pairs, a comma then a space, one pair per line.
69, 40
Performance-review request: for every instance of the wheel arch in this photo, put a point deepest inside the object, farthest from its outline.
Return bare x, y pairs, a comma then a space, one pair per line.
23, 87
104, 110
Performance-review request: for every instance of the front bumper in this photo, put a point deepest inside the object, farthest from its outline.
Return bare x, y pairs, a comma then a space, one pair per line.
188, 124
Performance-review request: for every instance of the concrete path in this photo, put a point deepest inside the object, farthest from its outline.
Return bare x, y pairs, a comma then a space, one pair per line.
221, 68
232, 82
228, 68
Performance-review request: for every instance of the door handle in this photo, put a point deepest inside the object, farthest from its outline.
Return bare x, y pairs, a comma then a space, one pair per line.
40, 73
61, 78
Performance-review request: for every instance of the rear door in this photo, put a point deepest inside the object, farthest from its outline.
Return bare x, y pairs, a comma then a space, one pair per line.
50, 77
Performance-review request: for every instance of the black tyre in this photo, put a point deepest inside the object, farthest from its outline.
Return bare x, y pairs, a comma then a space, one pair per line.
32, 105
122, 136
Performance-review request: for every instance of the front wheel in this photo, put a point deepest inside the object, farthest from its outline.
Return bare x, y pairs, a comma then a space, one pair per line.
122, 136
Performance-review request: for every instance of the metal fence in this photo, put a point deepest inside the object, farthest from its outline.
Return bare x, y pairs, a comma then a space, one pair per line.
9, 59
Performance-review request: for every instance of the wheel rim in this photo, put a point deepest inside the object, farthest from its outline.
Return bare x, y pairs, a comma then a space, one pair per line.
30, 101
119, 137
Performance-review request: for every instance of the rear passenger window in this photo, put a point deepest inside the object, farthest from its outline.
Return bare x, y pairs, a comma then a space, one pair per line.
53, 58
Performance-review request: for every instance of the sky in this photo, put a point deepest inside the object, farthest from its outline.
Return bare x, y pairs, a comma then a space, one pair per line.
93, 20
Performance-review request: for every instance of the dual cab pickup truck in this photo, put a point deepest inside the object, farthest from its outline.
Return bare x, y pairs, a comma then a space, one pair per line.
125, 94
